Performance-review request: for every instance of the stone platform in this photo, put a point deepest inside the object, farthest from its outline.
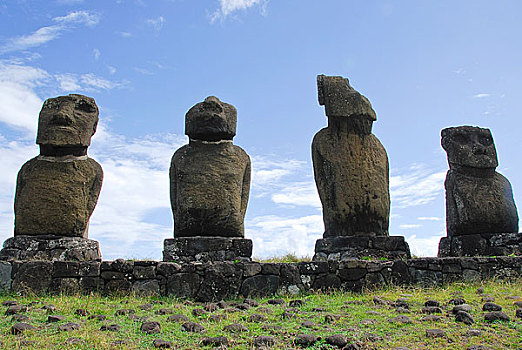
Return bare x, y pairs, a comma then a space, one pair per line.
207, 249
361, 247
52, 248
481, 244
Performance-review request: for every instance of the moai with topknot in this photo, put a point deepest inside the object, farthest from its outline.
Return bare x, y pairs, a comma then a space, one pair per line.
56, 192
481, 216
352, 177
209, 188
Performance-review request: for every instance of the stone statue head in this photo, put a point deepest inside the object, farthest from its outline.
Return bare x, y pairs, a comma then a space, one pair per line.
341, 100
67, 121
469, 146
211, 120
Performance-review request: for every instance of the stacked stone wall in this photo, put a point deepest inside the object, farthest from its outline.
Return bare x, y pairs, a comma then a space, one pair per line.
227, 280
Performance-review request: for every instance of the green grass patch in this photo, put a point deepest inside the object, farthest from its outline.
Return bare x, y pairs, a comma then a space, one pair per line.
322, 314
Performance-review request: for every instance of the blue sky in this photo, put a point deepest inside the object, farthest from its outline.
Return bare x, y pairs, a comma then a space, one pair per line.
424, 65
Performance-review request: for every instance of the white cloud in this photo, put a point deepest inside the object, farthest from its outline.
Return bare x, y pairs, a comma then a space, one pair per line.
276, 235
49, 33
79, 17
19, 104
298, 194
424, 246
156, 23
227, 7
111, 69
417, 186
96, 54
481, 95
429, 218
125, 34
71, 82
409, 226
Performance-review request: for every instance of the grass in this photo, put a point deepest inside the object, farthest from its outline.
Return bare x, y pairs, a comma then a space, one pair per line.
357, 317
288, 258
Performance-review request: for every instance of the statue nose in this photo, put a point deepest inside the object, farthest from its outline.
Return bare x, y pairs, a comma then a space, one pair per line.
478, 149
61, 119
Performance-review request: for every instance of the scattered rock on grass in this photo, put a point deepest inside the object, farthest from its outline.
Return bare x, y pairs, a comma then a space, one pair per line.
198, 312
257, 318
464, 317
430, 318
146, 307
150, 327
431, 310
432, 302
235, 328
474, 333
457, 301
211, 307
216, 318
164, 312
110, 327
263, 341
81, 312
518, 313
305, 340
15, 309
338, 340
215, 341
435, 333
275, 301
97, 317
20, 318
21, 327
478, 347
192, 327
496, 316
55, 318
69, 327
401, 319
125, 312
491, 307
162, 344
461, 307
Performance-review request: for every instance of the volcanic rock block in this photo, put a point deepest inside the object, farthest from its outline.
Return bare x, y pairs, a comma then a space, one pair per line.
351, 172
481, 216
56, 192
209, 187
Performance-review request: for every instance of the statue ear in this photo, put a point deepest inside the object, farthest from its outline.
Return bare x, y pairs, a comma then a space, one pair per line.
320, 89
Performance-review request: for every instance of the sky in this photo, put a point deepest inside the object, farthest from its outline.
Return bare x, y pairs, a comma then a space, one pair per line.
424, 65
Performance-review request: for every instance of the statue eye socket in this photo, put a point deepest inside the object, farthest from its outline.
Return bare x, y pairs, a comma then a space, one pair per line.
85, 106
460, 138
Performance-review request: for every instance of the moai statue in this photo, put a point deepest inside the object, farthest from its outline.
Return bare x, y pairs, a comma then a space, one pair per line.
56, 192
481, 216
352, 177
209, 188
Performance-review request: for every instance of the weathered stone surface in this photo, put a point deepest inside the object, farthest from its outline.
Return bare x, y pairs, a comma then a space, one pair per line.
146, 287
50, 248
33, 276
207, 249
478, 199
21, 327
357, 247
5, 277
260, 285
56, 197
481, 244
222, 280
56, 192
350, 164
184, 285
210, 177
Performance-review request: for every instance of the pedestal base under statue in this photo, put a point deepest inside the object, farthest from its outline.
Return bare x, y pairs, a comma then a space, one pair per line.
207, 249
361, 247
50, 248
481, 244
